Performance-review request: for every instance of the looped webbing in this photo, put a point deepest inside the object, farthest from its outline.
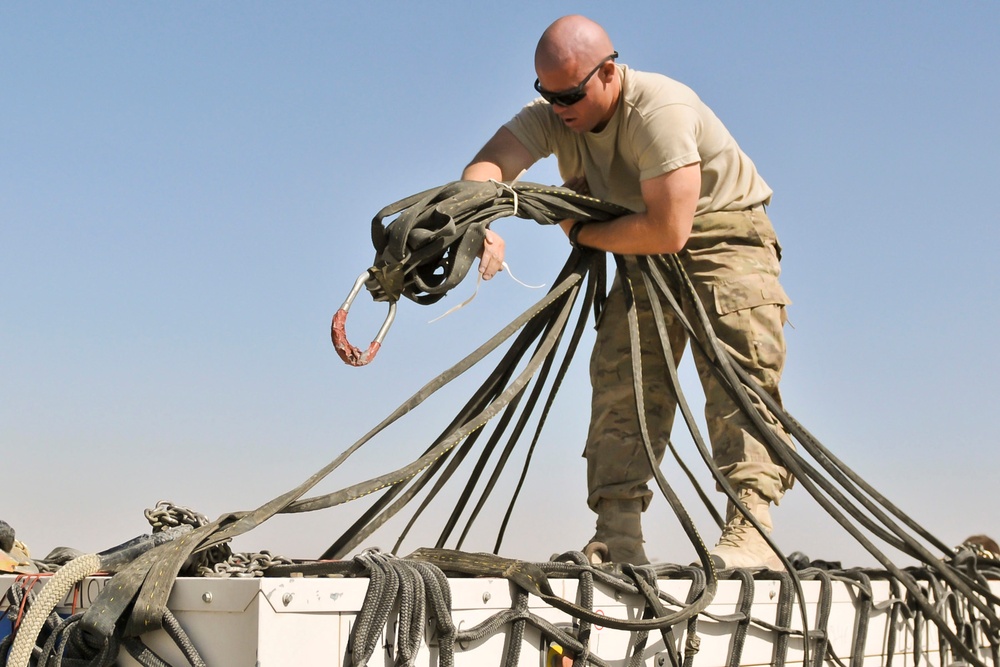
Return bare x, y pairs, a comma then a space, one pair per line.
430, 247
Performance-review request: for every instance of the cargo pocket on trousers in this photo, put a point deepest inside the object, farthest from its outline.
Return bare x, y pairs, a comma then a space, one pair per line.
752, 331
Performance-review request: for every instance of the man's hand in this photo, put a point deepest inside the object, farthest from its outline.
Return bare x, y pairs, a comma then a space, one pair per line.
491, 255
578, 185
503, 158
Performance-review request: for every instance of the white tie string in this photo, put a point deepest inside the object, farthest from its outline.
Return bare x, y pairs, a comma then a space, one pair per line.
506, 267
479, 280
505, 186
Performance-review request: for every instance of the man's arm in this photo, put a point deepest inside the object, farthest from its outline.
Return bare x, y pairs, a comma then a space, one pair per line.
664, 227
503, 158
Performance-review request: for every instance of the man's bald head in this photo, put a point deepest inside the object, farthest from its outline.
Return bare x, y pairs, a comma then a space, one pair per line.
575, 56
572, 42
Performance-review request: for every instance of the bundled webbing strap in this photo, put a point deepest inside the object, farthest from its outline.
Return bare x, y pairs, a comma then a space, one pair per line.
427, 249
843, 490
434, 238
430, 247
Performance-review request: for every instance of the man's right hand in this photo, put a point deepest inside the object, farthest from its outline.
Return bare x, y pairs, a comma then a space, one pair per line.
578, 185
491, 255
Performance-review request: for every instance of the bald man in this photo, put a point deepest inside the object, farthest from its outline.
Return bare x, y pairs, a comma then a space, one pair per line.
648, 143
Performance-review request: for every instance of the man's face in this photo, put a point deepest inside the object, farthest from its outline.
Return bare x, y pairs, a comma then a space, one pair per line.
590, 113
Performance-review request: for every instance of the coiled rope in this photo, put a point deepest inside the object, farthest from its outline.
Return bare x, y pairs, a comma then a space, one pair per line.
52, 594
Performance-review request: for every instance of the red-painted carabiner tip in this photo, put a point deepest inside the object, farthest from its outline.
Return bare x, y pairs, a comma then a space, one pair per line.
353, 356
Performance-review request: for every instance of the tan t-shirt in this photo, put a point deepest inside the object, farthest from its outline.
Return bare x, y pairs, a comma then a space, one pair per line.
659, 125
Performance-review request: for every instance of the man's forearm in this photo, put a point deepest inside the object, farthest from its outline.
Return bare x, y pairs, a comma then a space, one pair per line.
502, 159
635, 234
482, 171
664, 227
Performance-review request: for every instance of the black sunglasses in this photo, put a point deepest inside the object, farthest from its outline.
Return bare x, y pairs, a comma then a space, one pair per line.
570, 97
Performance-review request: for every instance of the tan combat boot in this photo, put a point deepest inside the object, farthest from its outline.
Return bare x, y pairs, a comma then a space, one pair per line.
619, 533
741, 545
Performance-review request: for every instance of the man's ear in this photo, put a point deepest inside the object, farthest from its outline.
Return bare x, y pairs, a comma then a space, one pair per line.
607, 72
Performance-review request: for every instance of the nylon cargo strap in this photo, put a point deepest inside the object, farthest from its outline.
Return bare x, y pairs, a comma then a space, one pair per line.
533, 580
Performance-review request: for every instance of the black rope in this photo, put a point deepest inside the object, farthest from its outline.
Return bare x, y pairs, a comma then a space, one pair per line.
824, 606
743, 607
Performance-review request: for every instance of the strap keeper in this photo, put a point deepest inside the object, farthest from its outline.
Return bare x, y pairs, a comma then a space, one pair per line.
574, 232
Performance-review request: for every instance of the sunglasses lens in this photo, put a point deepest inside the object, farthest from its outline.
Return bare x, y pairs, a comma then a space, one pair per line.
563, 99
569, 99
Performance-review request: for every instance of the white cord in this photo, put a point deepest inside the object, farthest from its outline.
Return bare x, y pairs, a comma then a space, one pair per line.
479, 276
502, 185
518, 281
479, 279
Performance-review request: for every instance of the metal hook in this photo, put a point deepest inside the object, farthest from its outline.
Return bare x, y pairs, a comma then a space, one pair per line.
352, 355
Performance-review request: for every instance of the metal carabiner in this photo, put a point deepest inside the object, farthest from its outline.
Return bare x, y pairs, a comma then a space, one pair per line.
351, 355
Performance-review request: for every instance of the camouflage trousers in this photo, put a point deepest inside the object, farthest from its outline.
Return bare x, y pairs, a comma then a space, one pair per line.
733, 260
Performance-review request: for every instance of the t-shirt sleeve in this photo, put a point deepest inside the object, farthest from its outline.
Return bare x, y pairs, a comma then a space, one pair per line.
666, 139
534, 127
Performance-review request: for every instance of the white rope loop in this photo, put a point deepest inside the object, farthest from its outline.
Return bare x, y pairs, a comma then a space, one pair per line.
54, 592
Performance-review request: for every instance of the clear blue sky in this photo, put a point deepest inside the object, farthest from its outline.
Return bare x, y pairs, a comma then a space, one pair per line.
185, 198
